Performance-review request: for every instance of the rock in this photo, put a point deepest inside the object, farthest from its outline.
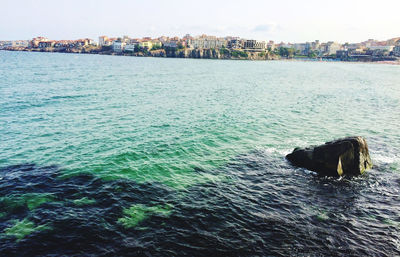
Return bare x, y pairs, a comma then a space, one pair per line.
347, 156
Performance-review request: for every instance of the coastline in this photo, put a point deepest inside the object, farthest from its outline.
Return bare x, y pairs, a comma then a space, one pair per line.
254, 56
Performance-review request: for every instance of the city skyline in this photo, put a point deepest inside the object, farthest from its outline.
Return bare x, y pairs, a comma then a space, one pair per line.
341, 21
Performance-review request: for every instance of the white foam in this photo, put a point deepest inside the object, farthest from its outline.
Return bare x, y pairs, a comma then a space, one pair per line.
384, 158
273, 150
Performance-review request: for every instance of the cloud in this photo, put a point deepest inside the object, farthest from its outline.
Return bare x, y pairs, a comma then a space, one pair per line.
265, 28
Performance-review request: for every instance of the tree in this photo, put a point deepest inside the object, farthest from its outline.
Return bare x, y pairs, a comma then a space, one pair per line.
312, 54
237, 53
290, 52
224, 51
283, 51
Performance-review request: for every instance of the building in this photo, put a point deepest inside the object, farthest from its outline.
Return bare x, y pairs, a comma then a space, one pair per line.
35, 41
271, 45
307, 48
301, 48
15, 43
118, 46
207, 42
82, 42
351, 46
254, 45
381, 48
157, 43
105, 41
64, 44
331, 48
187, 39
235, 43
315, 45
130, 47
46, 44
342, 54
91, 42
146, 44
125, 39
369, 43
284, 45
396, 51
171, 43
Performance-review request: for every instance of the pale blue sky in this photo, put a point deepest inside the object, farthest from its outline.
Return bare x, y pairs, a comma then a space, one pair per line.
294, 21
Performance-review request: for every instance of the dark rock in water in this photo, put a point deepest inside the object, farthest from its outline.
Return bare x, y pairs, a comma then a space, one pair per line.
347, 156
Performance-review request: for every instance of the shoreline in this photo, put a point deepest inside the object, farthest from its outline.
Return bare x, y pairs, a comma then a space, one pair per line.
251, 58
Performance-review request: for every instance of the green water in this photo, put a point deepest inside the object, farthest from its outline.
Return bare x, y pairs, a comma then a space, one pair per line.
154, 119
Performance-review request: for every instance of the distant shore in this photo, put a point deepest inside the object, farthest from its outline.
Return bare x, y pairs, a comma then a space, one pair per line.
206, 54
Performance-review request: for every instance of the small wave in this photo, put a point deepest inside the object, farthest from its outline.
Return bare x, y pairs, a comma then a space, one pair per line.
68, 97
384, 158
275, 151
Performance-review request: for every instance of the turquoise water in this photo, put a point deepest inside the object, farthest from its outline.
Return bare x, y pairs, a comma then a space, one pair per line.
179, 123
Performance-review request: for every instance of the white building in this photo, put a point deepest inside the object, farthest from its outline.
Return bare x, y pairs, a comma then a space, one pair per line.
382, 48
118, 46
171, 43
130, 47
16, 43
104, 41
331, 48
207, 42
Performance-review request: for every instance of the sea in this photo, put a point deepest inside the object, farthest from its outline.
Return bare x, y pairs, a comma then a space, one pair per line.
133, 156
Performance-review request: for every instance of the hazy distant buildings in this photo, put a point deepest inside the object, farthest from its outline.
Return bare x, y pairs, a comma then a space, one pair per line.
15, 43
381, 48
224, 47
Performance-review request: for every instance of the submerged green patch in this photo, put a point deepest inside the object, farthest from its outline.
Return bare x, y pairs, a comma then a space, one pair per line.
31, 200
84, 201
138, 212
175, 164
391, 222
22, 228
35, 200
322, 216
